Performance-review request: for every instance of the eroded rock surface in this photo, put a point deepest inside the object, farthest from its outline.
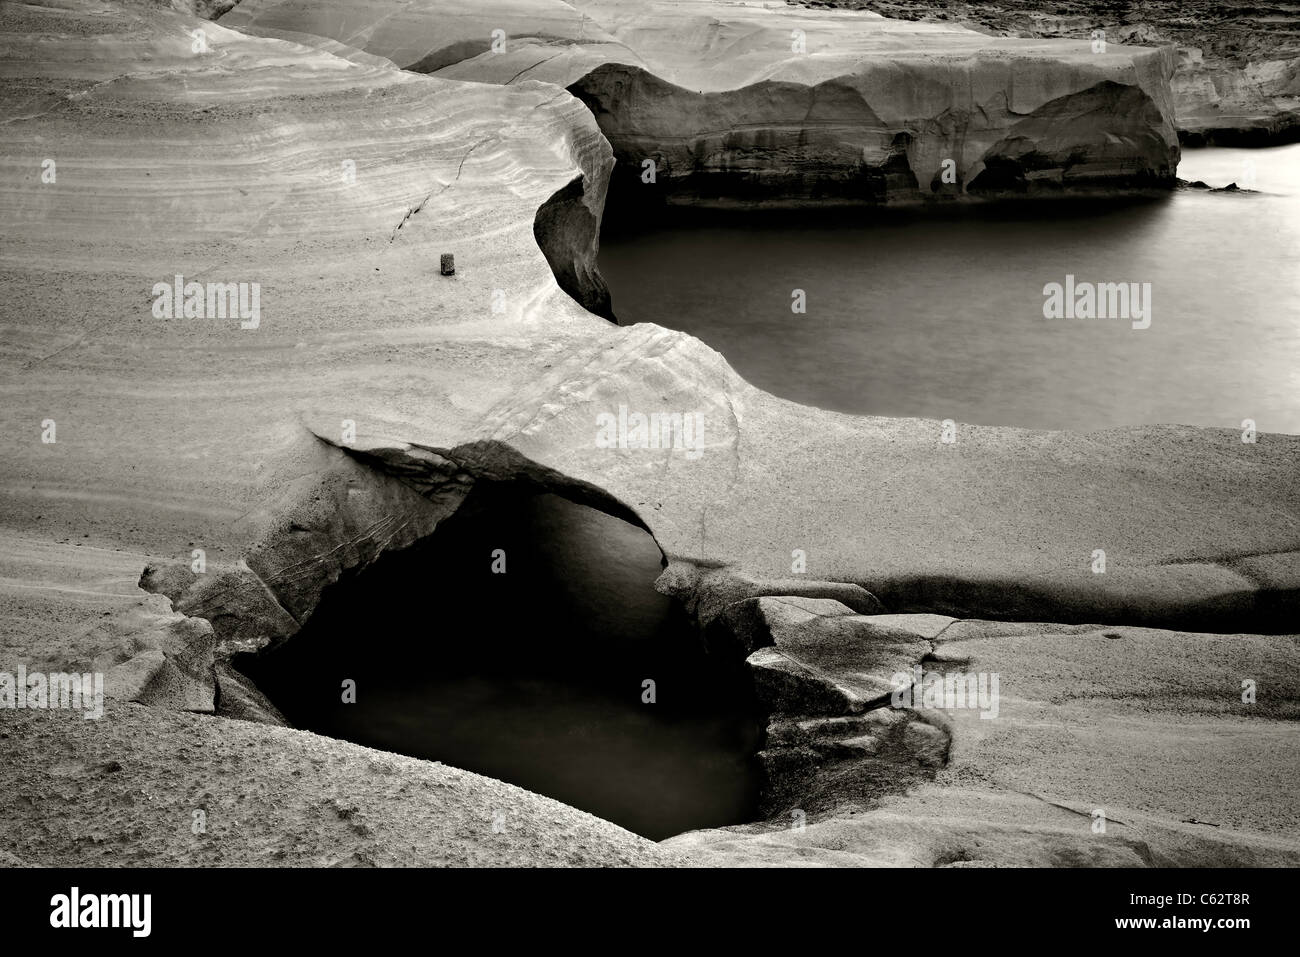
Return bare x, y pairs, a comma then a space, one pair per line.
766, 102
1238, 76
1099, 750
125, 791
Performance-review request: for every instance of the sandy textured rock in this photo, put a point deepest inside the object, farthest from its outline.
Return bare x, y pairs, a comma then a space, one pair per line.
972, 827
708, 593
156, 656
1130, 724
69, 609
825, 677
124, 790
244, 613
1251, 105
820, 653
1236, 79
759, 102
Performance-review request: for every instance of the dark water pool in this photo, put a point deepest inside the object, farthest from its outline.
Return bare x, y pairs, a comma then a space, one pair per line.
534, 676
940, 314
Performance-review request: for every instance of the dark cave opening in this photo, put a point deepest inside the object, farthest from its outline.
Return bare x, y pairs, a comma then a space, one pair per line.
535, 675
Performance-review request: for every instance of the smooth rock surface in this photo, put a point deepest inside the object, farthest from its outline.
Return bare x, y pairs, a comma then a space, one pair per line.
760, 102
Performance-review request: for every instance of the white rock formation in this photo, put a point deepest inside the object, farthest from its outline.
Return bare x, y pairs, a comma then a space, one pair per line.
335, 181
768, 102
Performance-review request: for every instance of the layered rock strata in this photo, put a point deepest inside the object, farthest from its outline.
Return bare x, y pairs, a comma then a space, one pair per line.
1237, 82
769, 103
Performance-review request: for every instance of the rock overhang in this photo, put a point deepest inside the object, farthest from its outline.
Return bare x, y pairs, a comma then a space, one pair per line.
677, 83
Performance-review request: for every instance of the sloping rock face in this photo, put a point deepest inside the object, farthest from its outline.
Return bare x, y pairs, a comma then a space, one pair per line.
1255, 105
735, 103
1094, 748
1238, 63
143, 787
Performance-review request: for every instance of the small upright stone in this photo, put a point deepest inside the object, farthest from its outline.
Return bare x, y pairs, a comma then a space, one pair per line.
448, 264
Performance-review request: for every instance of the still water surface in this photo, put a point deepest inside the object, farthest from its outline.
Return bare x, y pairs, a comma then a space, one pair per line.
537, 675
939, 313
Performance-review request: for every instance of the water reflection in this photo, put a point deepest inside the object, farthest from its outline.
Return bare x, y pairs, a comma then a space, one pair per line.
939, 312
